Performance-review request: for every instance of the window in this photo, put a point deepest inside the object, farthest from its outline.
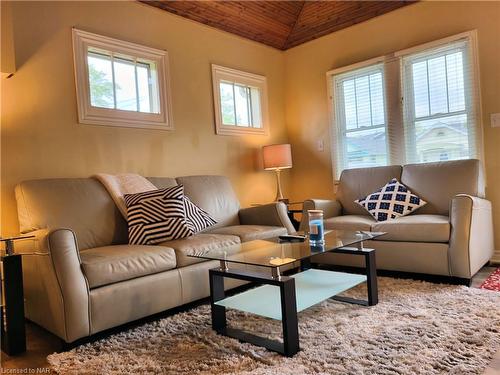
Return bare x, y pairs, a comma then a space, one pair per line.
120, 83
417, 105
439, 117
240, 101
361, 125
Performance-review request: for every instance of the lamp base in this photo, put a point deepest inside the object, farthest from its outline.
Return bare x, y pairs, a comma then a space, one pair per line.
279, 193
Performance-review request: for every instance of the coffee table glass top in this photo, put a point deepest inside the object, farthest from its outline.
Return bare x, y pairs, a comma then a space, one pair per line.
272, 253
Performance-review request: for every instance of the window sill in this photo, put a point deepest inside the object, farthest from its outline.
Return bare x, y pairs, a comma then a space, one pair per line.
235, 130
126, 124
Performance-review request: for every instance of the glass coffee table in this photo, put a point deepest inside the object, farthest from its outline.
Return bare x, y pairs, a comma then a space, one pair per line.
282, 297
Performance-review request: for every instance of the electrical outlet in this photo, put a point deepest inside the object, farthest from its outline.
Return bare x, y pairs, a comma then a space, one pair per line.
320, 145
495, 120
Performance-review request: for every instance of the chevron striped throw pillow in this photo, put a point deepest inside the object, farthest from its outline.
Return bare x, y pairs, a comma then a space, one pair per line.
196, 217
157, 216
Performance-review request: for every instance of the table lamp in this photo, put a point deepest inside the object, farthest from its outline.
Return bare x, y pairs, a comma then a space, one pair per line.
277, 157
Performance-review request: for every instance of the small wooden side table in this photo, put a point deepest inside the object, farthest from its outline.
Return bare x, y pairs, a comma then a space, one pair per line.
11, 288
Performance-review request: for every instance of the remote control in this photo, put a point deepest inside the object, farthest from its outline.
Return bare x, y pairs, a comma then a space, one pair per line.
292, 238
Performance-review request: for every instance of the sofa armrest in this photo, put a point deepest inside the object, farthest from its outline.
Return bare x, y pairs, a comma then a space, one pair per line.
274, 214
64, 293
330, 207
471, 238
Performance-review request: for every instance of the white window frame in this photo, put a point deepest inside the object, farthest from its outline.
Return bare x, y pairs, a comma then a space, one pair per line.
88, 114
473, 105
393, 87
224, 74
334, 114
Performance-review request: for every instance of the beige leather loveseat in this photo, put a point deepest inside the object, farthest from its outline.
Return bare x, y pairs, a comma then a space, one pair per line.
452, 235
85, 278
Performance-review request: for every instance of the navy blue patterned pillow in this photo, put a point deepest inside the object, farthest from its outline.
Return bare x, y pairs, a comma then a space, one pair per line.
391, 201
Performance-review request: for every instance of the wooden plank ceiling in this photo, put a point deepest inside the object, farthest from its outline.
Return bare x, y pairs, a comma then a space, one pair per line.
279, 24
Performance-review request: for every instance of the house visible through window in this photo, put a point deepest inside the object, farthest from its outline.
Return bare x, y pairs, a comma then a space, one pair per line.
240, 101
438, 112
436, 118
361, 117
121, 83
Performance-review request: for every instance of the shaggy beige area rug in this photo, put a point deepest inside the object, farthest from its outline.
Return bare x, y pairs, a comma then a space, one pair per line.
417, 328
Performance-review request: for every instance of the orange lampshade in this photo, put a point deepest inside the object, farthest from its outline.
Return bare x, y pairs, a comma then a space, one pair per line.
277, 156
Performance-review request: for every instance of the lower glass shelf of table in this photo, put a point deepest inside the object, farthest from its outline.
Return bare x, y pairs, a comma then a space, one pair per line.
311, 287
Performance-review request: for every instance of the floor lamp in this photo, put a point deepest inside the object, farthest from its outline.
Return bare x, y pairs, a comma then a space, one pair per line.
277, 157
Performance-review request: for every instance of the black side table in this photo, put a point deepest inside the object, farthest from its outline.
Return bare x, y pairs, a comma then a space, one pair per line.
12, 311
293, 211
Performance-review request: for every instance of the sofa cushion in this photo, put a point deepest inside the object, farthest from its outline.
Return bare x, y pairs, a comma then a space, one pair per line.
358, 183
415, 228
350, 222
81, 204
439, 182
251, 232
162, 182
198, 243
215, 195
112, 264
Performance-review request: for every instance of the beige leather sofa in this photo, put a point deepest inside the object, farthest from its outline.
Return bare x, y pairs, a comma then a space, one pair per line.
85, 278
452, 235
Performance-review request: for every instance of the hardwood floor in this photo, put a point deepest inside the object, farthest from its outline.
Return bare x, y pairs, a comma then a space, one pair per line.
42, 343
482, 275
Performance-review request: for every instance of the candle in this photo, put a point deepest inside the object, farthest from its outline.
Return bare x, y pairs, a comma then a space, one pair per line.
316, 227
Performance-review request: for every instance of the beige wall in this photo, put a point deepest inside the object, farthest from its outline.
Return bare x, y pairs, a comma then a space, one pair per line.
42, 138
306, 90
8, 63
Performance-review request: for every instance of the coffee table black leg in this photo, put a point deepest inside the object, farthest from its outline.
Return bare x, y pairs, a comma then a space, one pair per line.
289, 318
371, 278
305, 264
290, 344
216, 294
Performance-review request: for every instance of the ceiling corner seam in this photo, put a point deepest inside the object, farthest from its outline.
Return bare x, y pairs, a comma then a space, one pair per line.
285, 44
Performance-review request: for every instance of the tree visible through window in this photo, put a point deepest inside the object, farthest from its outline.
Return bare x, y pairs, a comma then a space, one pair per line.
101, 88
121, 83
240, 101
240, 105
